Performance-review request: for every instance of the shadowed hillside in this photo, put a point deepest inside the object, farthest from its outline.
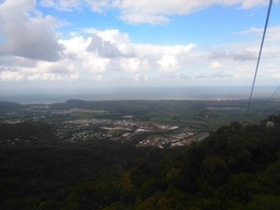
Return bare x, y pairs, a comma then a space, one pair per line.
236, 167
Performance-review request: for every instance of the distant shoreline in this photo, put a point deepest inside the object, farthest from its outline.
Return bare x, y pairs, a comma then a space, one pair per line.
121, 94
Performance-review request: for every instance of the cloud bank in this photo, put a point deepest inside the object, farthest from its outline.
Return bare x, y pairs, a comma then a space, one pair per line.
26, 35
32, 50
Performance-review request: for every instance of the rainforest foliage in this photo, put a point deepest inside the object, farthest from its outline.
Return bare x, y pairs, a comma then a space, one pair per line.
236, 167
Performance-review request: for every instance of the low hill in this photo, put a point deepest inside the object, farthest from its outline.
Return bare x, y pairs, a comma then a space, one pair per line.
6, 106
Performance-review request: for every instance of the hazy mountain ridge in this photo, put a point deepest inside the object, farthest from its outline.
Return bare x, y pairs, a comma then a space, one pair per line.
5, 105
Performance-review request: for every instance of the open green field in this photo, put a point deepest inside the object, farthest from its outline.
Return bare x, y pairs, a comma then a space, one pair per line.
201, 115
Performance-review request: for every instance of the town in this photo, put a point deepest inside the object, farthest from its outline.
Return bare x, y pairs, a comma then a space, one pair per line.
161, 124
76, 125
155, 135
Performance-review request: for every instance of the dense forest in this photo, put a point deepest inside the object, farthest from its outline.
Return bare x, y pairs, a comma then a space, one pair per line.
236, 167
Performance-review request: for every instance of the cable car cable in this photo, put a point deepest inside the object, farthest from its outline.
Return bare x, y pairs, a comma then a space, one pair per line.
260, 107
259, 56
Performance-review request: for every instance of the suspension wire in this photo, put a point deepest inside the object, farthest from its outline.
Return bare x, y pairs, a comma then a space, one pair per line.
269, 98
259, 56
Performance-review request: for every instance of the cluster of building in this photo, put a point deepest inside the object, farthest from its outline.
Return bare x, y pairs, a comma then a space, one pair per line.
154, 135
172, 140
126, 128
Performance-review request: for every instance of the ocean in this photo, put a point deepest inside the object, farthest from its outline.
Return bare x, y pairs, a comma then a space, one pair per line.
155, 93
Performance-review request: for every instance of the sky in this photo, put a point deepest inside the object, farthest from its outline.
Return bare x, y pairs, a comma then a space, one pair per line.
65, 45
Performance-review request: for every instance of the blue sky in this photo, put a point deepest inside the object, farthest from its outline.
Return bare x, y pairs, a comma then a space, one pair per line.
76, 44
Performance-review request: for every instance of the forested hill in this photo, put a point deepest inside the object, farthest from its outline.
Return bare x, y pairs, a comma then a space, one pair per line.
236, 167
7, 106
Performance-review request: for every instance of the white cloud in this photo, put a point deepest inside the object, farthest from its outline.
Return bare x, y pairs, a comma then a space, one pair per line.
252, 30
157, 12
146, 11
105, 53
10, 76
81, 58
221, 74
44, 76
75, 46
99, 77
110, 55
30, 49
247, 4
184, 76
114, 36
272, 34
216, 65
133, 64
135, 18
103, 48
141, 78
239, 52
156, 52
69, 5
120, 40
245, 69
168, 63
95, 64
98, 5
276, 75
27, 36
243, 54
62, 4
